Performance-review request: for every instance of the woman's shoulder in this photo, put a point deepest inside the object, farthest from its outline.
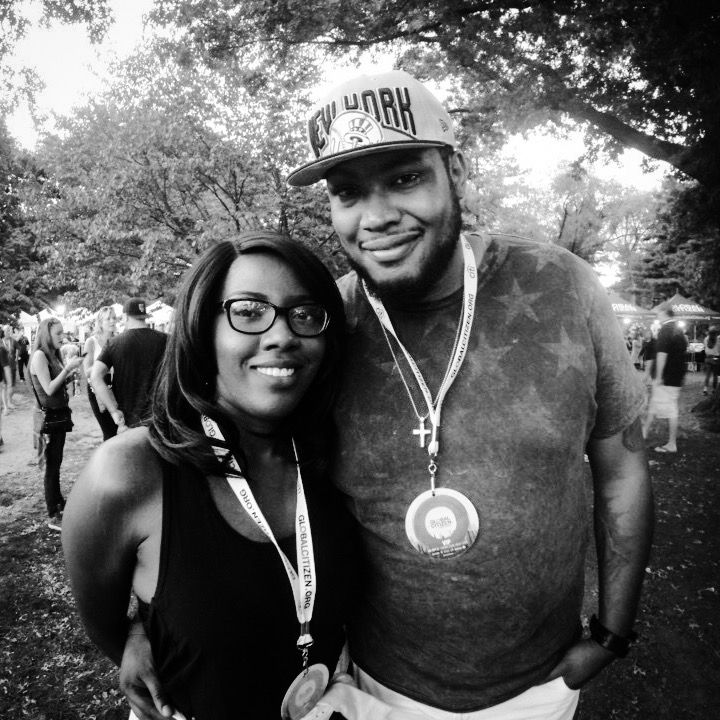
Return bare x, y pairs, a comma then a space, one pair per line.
38, 356
126, 466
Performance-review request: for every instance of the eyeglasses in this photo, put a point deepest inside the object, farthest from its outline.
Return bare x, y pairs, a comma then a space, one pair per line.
253, 317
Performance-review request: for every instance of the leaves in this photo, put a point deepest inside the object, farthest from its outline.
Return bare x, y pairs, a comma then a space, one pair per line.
643, 76
171, 158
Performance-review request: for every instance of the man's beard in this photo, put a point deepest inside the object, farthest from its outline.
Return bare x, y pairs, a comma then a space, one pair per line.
414, 288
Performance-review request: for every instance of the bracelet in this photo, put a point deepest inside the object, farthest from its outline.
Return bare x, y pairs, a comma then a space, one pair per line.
609, 640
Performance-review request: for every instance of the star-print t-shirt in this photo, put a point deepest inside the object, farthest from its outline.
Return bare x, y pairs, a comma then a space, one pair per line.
546, 370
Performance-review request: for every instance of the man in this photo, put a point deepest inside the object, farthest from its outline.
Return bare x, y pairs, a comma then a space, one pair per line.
479, 372
667, 378
134, 357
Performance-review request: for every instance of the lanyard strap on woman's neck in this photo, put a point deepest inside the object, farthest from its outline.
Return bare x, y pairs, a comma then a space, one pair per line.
304, 586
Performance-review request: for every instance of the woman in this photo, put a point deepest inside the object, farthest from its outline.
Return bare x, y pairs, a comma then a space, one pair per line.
49, 378
105, 324
712, 359
7, 368
250, 371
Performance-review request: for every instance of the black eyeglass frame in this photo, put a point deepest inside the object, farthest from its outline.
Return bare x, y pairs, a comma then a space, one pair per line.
277, 310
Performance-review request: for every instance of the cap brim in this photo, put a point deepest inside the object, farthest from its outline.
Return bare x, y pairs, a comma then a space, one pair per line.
317, 169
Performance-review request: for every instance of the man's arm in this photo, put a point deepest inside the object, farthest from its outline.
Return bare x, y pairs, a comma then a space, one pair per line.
623, 519
104, 394
623, 523
660, 360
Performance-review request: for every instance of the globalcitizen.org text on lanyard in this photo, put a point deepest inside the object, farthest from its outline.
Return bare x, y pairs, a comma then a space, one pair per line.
440, 522
309, 686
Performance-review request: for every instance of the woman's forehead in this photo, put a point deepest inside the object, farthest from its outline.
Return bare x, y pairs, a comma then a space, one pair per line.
263, 274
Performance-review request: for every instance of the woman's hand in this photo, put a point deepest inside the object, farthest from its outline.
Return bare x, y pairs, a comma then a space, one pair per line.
138, 678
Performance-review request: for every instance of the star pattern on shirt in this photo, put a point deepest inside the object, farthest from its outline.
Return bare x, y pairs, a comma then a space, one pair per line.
488, 363
533, 413
519, 303
544, 255
568, 353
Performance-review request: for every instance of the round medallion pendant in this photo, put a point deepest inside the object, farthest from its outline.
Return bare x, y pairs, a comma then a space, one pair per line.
304, 692
441, 524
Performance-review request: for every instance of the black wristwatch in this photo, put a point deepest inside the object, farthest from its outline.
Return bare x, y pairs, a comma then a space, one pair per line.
609, 640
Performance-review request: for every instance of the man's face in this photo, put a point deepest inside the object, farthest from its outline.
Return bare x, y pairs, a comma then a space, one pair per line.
397, 215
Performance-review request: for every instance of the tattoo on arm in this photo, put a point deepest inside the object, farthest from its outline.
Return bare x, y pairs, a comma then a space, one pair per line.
632, 436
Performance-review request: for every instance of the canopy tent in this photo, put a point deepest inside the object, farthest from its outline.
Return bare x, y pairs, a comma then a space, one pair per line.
685, 309
624, 309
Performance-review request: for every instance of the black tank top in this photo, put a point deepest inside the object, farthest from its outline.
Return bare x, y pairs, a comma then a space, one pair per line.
222, 623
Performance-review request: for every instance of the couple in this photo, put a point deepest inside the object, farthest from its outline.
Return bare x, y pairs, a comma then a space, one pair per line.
473, 375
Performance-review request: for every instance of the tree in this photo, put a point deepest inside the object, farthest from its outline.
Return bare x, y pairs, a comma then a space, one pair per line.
14, 23
172, 157
643, 74
23, 284
686, 255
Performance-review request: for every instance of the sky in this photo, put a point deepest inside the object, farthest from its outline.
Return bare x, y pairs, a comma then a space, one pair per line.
70, 66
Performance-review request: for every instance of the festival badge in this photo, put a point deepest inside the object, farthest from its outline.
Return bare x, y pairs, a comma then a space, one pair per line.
441, 523
304, 692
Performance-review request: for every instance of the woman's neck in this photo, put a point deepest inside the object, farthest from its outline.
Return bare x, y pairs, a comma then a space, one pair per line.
263, 442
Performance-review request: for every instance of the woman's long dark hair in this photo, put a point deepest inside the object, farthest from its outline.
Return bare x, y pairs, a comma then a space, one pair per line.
43, 342
185, 387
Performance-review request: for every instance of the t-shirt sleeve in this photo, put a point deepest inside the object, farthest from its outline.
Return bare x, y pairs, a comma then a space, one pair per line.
619, 394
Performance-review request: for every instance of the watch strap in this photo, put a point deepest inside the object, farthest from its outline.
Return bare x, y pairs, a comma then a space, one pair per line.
616, 644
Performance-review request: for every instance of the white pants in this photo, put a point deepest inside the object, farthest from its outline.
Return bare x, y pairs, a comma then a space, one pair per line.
551, 701
373, 701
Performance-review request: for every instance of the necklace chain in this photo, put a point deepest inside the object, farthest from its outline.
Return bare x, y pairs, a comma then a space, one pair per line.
421, 418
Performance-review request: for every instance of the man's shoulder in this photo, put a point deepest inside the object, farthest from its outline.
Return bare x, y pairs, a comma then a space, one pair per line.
350, 290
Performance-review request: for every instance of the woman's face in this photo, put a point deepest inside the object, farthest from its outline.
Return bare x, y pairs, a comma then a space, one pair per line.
262, 378
109, 323
56, 335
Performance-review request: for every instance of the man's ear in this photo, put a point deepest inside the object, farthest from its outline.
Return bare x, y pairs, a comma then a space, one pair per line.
458, 171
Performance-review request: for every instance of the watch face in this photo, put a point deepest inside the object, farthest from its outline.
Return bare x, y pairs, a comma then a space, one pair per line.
442, 523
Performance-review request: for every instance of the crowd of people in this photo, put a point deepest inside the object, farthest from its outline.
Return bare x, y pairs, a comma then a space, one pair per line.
54, 368
363, 498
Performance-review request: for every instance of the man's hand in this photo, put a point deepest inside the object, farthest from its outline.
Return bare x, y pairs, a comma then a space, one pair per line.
582, 662
139, 681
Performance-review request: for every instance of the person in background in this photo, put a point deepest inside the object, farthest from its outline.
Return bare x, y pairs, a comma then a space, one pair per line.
12, 349
49, 379
635, 349
647, 352
5, 381
7, 347
195, 512
134, 357
23, 355
667, 379
69, 350
105, 326
712, 358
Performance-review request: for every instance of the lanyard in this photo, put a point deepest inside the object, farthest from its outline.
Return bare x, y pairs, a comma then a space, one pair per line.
462, 341
304, 586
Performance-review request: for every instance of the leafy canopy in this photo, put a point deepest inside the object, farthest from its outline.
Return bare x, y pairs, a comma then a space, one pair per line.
643, 73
